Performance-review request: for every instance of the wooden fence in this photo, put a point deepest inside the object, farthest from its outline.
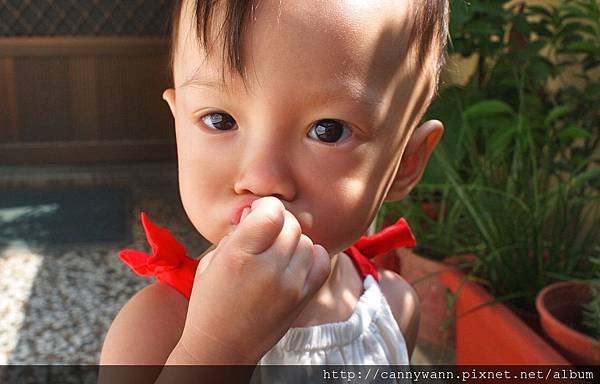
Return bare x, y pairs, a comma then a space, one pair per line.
84, 100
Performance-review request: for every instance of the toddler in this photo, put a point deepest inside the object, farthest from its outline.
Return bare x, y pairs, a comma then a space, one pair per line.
295, 120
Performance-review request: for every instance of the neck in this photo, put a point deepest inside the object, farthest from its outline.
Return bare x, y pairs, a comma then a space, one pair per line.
336, 298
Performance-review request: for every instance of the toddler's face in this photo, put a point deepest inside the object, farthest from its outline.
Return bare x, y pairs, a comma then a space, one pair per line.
331, 98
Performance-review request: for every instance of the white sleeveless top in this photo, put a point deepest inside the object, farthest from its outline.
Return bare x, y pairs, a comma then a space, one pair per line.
370, 336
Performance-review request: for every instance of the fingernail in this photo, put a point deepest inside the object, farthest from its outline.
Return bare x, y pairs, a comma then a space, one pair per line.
245, 213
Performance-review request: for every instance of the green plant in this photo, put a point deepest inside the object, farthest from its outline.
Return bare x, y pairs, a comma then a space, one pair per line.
516, 174
591, 311
591, 314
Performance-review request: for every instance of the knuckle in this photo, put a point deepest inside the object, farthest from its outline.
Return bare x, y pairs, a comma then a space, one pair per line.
238, 260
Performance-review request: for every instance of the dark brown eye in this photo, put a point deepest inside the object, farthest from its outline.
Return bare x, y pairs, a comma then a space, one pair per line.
328, 130
219, 121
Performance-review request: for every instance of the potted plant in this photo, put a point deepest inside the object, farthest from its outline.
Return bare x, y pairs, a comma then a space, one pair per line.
519, 175
570, 315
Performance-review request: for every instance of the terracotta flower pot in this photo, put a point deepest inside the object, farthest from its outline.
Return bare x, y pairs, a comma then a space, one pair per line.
560, 306
491, 333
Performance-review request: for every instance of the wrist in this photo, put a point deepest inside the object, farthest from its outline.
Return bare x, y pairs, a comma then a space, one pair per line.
206, 350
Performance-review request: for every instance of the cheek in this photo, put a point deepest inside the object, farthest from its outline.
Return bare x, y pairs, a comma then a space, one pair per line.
340, 216
344, 202
203, 175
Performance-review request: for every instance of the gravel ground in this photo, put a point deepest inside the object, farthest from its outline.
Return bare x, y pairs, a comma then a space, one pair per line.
56, 304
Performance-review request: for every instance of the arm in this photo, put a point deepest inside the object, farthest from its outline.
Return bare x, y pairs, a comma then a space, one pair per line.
147, 328
404, 303
143, 333
146, 335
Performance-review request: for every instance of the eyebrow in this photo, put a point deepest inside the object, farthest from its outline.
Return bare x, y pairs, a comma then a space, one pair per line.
351, 93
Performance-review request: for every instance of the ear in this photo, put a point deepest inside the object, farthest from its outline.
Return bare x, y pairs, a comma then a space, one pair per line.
169, 96
415, 158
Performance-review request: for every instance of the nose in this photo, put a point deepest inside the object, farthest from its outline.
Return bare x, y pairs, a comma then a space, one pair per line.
265, 170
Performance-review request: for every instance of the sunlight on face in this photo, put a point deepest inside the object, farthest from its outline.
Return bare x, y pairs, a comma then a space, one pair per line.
331, 96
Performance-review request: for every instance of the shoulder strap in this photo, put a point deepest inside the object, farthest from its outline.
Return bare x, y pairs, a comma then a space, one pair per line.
366, 248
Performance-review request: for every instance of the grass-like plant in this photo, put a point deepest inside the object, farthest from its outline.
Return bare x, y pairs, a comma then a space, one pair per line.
516, 176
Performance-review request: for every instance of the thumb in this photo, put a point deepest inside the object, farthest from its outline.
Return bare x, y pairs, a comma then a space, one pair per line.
259, 229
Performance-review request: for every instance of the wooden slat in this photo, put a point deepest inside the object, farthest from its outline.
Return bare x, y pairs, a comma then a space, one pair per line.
130, 99
83, 92
83, 152
43, 99
77, 46
8, 101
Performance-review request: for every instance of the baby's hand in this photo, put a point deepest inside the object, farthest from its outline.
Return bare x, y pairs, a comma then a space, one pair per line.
249, 290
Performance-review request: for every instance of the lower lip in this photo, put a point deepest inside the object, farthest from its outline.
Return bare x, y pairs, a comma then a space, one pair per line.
237, 215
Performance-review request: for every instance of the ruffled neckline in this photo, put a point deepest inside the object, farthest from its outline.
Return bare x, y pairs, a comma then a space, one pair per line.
323, 336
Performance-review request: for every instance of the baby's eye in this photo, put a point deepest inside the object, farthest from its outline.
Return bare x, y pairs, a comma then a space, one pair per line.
219, 121
328, 130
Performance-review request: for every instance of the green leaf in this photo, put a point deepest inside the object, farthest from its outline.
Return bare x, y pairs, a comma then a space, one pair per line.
572, 132
488, 108
568, 28
500, 140
591, 174
535, 46
460, 11
582, 47
574, 11
540, 10
490, 9
541, 29
540, 68
558, 112
592, 90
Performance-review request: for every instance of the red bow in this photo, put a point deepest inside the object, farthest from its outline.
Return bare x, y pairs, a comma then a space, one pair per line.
368, 247
169, 261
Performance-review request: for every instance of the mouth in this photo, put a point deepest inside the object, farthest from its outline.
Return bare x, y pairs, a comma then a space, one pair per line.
236, 214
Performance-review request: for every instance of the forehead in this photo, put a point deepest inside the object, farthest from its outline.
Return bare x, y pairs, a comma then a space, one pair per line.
355, 33
352, 44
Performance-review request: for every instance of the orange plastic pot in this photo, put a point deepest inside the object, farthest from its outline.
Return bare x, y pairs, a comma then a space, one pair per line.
423, 274
491, 333
560, 306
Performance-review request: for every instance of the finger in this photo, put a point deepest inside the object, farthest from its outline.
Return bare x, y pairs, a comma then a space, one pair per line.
282, 250
302, 260
259, 229
319, 271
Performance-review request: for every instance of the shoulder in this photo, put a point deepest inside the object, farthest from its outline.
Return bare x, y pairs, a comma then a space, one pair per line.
147, 328
404, 303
